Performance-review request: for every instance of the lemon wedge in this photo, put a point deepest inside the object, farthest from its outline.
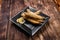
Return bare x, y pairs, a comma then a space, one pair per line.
20, 20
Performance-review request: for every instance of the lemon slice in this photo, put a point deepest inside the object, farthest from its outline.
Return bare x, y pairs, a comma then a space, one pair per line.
20, 20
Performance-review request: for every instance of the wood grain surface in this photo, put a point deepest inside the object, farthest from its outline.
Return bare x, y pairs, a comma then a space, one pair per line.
57, 2
9, 31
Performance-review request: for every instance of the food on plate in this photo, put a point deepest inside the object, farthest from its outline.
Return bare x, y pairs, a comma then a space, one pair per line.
34, 21
20, 20
32, 17
37, 12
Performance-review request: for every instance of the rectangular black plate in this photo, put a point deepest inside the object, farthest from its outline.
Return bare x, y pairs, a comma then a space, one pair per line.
30, 28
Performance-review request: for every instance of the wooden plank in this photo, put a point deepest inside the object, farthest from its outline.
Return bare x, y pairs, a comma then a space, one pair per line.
4, 16
57, 2
9, 31
13, 32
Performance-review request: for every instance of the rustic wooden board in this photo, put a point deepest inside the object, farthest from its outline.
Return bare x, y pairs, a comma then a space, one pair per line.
8, 31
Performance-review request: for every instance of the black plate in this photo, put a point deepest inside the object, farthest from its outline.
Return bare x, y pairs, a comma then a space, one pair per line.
30, 28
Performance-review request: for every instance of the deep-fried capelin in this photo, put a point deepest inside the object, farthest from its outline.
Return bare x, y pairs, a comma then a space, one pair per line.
37, 12
32, 15
31, 20
23, 15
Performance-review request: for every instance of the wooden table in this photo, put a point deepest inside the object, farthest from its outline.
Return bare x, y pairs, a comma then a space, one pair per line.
8, 31
57, 2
